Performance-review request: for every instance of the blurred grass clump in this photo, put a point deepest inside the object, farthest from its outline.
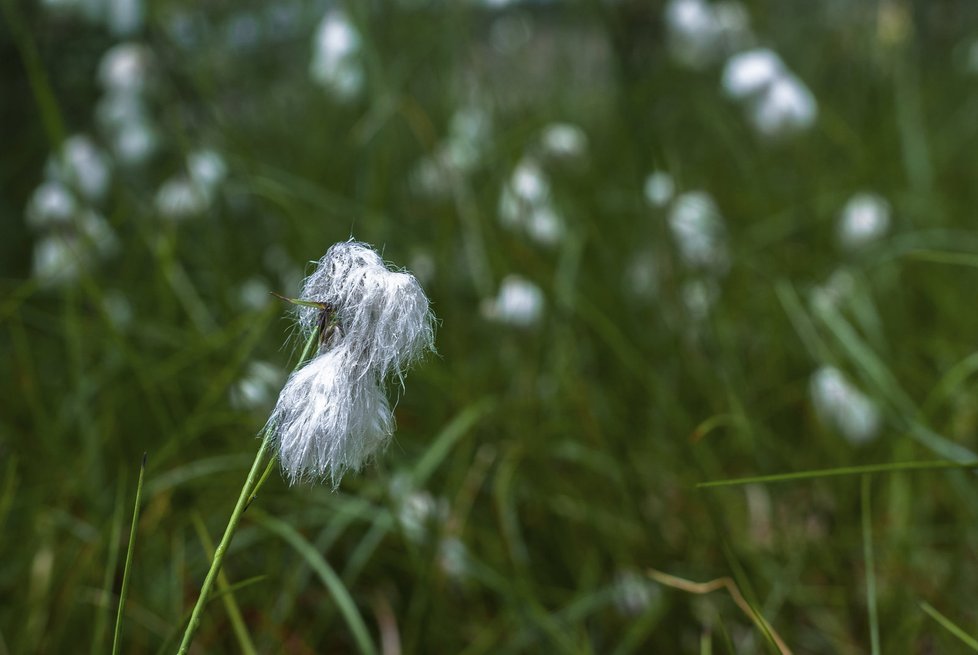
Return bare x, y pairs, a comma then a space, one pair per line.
667, 243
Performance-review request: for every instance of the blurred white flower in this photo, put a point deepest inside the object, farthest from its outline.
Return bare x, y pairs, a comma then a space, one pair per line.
525, 203
135, 143
864, 219
57, 260
453, 558
659, 188
336, 64
749, 73
124, 17
51, 204
257, 387
124, 68
633, 593
418, 512
179, 199
82, 165
332, 415
785, 107
700, 32
207, 169
698, 230
518, 303
699, 295
563, 142
254, 293
842, 407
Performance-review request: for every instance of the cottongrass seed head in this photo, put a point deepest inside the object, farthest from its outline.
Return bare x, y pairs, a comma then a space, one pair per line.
333, 414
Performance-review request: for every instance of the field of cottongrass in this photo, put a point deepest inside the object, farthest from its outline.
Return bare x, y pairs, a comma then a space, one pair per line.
667, 244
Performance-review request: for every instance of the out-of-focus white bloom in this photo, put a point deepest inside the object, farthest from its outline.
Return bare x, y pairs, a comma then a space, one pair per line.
385, 312
697, 227
116, 109
179, 199
254, 293
418, 512
659, 188
700, 32
838, 288
207, 169
842, 407
785, 107
633, 593
460, 152
332, 415
526, 203
82, 165
519, 303
125, 68
336, 55
135, 143
58, 260
257, 388
453, 558
51, 204
699, 296
124, 17
641, 277
563, 142
749, 73
468, 134
864, 219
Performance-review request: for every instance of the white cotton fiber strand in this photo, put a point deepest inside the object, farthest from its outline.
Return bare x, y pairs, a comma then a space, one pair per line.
330, 418
384, 313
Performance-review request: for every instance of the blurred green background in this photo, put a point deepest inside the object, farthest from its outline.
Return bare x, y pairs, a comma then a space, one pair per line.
667, 243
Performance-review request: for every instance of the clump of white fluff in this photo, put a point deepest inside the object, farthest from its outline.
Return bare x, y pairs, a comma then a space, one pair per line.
384, 313
332, 415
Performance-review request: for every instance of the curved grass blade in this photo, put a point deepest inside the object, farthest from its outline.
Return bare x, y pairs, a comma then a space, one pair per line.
949, 625
132, 544
892, 467
329, 577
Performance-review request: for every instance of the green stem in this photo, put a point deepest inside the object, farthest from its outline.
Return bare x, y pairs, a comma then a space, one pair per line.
126, 577
244, 497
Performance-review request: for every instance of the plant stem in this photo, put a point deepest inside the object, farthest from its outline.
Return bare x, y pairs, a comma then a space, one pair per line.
126, 577
239, 508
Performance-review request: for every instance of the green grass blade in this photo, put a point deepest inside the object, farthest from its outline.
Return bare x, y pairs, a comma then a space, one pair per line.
949, 625
223, 587
892, 467
132, 544
870, 564
328, 576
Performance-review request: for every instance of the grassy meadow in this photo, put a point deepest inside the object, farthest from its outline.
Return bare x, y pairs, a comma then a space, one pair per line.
652, 268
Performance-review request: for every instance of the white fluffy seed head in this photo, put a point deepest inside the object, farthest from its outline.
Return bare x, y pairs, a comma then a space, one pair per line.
331, 417
383, 315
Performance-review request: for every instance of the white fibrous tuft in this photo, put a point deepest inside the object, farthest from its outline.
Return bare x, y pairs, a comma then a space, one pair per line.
864, 219
333, 416
787, 106
842, 407
563, 142
748, 73
526, 204
384, 312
